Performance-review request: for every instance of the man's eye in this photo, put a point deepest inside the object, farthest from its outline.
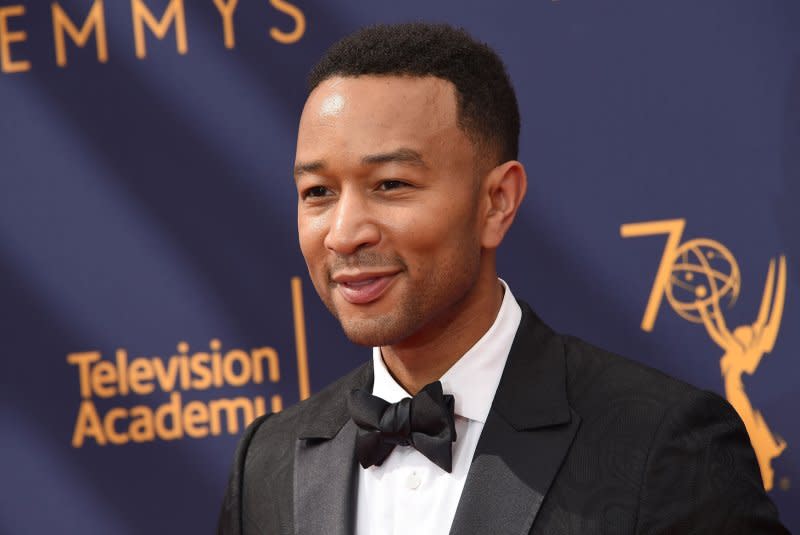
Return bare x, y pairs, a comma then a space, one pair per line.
316, 191
391, 184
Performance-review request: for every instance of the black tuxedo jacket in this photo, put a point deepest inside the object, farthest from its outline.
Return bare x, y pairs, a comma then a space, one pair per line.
577, 441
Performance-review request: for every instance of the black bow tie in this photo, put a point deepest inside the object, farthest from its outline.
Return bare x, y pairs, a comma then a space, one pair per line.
424, 422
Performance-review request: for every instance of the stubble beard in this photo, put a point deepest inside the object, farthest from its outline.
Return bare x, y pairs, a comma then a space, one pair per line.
418, 307
378, 330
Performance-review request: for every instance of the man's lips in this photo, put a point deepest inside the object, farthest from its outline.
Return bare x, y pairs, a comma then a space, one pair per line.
362, 288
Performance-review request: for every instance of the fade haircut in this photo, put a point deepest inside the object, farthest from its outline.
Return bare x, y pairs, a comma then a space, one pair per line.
487, 106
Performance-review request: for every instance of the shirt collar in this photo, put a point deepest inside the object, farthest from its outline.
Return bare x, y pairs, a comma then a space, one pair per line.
473, 379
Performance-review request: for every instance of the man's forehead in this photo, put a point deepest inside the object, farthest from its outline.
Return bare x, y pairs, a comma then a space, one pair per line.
381, 93
332, 104
367, 115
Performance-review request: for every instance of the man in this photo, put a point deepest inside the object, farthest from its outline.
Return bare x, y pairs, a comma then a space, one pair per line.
408, 179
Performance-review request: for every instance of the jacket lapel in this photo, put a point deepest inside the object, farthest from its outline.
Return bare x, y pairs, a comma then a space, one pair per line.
526, 436
325, 468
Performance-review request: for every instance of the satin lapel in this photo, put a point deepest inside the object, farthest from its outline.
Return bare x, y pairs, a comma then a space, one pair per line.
509, 477
325, 481
324, 461
526, 436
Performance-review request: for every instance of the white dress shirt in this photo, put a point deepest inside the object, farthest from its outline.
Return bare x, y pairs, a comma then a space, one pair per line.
408, 493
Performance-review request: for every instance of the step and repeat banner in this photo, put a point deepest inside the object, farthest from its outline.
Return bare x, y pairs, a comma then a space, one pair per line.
153, 298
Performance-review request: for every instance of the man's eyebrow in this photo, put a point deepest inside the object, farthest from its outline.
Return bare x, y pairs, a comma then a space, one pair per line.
408, 156
302, 168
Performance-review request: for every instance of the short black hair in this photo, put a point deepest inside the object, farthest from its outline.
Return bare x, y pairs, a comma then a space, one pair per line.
487, 104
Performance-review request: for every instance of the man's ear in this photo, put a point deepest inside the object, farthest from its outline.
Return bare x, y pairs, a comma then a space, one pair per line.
503, 191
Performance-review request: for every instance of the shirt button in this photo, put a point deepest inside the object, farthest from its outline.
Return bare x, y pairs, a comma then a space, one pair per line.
413, 481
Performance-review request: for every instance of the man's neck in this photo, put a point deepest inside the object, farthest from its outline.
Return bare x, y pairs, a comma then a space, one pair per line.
426, 356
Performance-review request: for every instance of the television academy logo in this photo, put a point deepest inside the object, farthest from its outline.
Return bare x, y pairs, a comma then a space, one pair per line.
121, 397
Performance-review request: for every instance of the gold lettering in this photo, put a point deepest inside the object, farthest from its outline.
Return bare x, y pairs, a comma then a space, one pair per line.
673, 228
230, 406
104, 375
122, 370
84, 361
299, 23
166, 378
186, 376
200, 368
185, 362
95, 21
259, 406
231, 357
171, 411
277, 403
87, 425
261, 354
195, 419
141, 376
108, 424
226, 9
216, 362
143, 16
142, 428
7, 64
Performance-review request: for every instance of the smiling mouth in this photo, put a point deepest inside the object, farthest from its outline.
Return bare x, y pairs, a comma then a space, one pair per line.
363, 288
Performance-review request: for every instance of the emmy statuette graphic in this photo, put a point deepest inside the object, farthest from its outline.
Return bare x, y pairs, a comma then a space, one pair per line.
696, 277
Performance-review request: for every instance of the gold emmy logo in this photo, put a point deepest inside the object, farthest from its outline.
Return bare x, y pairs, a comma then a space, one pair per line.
696, 277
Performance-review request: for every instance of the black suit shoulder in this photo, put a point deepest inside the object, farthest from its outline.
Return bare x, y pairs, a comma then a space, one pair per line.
594, 374
653, 454
623, 394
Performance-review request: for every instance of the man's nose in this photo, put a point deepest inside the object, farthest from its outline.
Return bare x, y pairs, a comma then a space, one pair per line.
353, 225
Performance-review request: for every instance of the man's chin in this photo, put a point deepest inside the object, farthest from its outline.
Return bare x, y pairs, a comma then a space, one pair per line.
379, 324
372, 332
364, 337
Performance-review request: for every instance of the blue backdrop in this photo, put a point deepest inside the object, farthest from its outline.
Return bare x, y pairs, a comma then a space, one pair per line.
148, 238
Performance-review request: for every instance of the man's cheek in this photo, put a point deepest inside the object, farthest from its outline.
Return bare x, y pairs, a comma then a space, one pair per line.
312, 250
321, 285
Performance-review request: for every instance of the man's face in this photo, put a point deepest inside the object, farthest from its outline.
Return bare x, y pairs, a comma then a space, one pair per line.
387, 205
